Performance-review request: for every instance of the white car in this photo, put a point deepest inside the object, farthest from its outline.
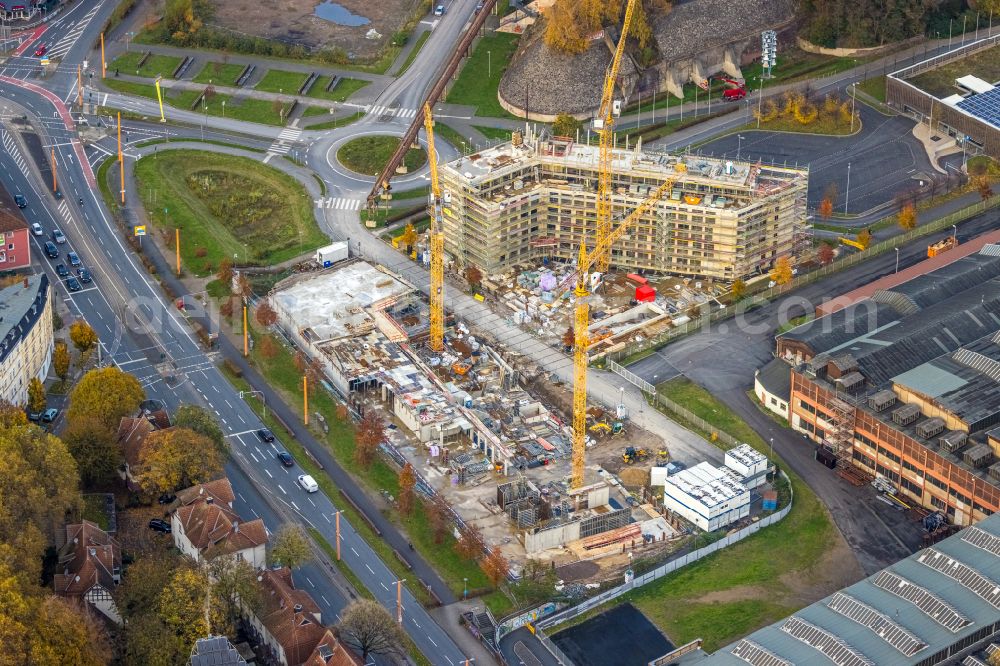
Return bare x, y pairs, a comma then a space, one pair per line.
439, 10
308, 483
37, 229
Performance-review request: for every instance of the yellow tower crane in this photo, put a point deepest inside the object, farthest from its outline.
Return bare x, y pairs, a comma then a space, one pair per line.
581, 321
436, 241
604, 123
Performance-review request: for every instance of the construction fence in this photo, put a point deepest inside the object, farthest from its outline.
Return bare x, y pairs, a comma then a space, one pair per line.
668, 567
705, 321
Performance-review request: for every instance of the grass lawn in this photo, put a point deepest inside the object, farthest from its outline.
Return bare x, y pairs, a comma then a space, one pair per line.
452, 136
219, 73
225, 206
940, 81
756, 581
368, 154
131, 88
413, 53
493, 132
282, 374
313, 111
340, 92
279, 80
824, 124
875, 87
249, 109
334, 124
94, 510
492, 54
155, 65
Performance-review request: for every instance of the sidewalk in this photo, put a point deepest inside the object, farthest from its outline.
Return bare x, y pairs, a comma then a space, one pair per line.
448, 618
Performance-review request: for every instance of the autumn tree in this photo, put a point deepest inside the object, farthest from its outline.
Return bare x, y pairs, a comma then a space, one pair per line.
368, 628
474, 276
824, 254
994, 659
36, 395
738, 290
470, 542
825, 208
209, 94
782, 271
982, 184
82, 335
38, 493
266, 316
908, 217
370, 433
61, 360
107, 394
93, 447
181, 605
563, 33
65, 633
225, 273
176, 458
864, 238
495, 566
407, 481
439, 518
234, 588
569, 338
267, 348
201, 421
565, 125
290, 547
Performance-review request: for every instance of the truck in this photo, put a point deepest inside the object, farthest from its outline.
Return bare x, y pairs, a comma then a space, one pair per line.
737, 92
331, 254
942, 245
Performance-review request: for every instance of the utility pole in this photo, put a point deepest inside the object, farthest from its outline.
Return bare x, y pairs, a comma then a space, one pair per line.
177, 248
54, 183
246, 335
305, 398
104, 67
336, 518
399, 600
79, 86
121, 160
847, 195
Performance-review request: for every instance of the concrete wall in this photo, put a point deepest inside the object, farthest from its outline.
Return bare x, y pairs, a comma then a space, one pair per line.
553, 537
809, 47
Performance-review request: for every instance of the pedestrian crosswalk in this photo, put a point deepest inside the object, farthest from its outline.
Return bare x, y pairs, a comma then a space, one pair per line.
64, 211
380, 111
11, 147
338, 203
73, 33
286, 139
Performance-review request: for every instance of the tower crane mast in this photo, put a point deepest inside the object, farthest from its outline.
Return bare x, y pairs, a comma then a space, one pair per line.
604, 123
436, 242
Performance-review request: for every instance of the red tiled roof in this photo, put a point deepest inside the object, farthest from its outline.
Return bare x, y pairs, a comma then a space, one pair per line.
331, 652
291, 616
90, 557
132, 432
216, 529
220, 490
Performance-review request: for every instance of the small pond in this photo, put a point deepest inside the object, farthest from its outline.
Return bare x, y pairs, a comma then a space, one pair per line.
339, 14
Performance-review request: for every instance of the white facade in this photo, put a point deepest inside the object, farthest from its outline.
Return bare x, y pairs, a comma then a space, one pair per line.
26, 336
774, 403
749, 464
708, 497
255, 555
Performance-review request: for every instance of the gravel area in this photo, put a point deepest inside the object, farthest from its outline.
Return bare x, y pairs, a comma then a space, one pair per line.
698, 25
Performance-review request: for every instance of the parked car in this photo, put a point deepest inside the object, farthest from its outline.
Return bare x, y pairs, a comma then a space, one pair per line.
41, 51
37, 229
20, 201
167, 498
35, 416
308, 483
74, 260
58, 236
265, 435
62, 270
84, 275
160, 525
285, 457
439, 10
51, 250
49, 415
73, 284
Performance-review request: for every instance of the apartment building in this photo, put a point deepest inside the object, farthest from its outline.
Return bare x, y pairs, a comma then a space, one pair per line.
26, 336
535, 198
905, 385
15, 250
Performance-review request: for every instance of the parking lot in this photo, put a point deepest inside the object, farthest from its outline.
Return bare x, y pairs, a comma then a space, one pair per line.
884, 159
620, 635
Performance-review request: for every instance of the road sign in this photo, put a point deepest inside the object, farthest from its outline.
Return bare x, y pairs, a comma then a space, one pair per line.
139, 230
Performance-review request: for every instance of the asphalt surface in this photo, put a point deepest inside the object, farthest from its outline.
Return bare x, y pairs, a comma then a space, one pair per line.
621, 635
884, 157
723, 359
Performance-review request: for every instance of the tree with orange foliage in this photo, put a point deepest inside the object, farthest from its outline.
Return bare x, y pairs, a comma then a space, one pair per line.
908, 217
470, 542
825, 253
495, 566
407, 481
266, 316
825, 208
370, 433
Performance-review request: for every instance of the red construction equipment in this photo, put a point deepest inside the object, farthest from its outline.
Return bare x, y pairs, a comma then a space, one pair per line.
738, 90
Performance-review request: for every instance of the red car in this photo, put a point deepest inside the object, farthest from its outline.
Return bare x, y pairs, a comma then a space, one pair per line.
41, 50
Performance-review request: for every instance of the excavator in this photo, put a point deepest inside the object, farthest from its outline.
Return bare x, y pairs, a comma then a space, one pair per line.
632, 455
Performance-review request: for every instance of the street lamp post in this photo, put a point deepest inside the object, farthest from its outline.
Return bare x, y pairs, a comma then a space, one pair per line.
465, 590
771, 450
847, 195
258, 394
954, 232
739, 145
897, 259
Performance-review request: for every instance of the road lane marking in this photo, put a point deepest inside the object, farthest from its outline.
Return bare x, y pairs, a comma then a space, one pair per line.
310, 581
431, 640
383, 586
254, 458
325, 518
356, 553
368, 567
282, 489
311, 502
294, 504
268, 472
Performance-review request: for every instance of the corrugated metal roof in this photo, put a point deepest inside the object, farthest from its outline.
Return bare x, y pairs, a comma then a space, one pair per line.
948, 604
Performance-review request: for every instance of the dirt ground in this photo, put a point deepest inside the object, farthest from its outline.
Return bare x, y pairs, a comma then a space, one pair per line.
294, 21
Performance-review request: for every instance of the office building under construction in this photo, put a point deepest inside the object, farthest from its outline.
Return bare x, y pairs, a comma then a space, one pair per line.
535, 198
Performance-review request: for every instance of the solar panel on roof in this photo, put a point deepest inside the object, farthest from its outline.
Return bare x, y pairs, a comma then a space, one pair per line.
982, 539
985, 106
933, 607
880, 624
968, 577
832, 646
754, 654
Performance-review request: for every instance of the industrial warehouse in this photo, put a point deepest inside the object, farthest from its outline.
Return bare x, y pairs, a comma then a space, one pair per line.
533, 199
905, 385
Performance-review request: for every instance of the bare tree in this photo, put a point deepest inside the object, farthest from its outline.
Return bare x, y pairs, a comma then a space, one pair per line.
367, 627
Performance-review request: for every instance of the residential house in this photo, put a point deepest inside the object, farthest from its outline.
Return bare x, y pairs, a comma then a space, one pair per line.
215, 651
132, 434
90, 566
15, 242
289, 628
205, 526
